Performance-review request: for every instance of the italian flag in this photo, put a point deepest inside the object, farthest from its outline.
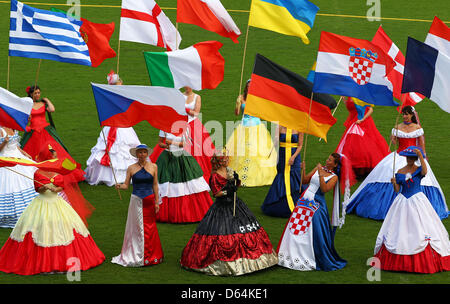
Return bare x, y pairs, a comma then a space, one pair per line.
200, 66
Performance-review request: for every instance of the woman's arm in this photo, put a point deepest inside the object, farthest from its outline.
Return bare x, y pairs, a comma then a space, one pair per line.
126, 183
198, 106
394, 183
155, 188
50, 107
162, 144
239, 102
421, 142
422, 162
297, 151
367, 115
326, 186
307, 178
5, 141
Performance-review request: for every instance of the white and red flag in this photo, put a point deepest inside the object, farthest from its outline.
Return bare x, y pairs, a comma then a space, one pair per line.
208, 14
382, 40
439, 36
143, 21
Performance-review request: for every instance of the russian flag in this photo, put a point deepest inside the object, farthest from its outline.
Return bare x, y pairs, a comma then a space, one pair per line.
353, 67
14, 110
426, 72
126, 105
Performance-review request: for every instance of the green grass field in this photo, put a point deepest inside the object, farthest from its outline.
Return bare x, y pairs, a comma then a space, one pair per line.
68, 87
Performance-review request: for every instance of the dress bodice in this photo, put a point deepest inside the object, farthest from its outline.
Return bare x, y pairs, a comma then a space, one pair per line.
407, 139
43, 178
191, 105
248, 120
173, 138
355, 111
11, 148
314, 186
37, 119
409, 183
142, 183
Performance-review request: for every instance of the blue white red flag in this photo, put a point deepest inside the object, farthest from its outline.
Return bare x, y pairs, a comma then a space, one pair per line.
36, 33
14, 110
126, 105
353, 67
426, 72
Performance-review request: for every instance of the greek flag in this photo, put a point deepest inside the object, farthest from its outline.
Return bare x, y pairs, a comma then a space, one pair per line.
36, 33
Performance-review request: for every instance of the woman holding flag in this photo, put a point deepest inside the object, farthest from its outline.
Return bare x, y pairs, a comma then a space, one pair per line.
16, 191
361, 141
374, 196
251, 148
307, 242
40, 133
285, 189
111, 151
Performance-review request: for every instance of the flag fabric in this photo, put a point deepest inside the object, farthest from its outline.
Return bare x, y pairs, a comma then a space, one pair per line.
97, 37
36, 33
353, 67
279, 95
439, 36
208, 14
426, 71
311, 73
200, 66
126, 105
14, 110
382, 40
63, 166
143, 21
288, 17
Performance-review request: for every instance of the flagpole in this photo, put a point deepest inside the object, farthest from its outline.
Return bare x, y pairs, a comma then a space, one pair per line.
306, 140
245, 49
24, 175
332, 114
37, 73
396, 134
110, 163
7, 75
118, 55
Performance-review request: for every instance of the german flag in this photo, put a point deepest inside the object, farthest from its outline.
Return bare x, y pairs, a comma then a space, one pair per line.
278, 95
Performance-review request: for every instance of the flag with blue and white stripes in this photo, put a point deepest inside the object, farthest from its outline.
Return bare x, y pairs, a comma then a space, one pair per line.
36, 33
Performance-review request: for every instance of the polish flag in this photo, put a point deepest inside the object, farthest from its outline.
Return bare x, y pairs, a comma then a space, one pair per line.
126, 105
208, 14
382, 40
439, 36
143, 21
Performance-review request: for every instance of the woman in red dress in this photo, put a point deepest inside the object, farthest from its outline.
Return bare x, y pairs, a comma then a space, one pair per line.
40, 134
362, 143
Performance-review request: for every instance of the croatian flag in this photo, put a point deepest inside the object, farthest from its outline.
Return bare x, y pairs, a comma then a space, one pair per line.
353, 67
126, 105
36, 33
14, 110
143, 21
439, 36
426, 71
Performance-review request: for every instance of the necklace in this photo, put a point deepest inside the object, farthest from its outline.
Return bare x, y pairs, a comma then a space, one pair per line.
407, 122
327, 170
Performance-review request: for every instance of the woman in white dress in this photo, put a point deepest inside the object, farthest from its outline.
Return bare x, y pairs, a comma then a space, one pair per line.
16, 191
112, 154
412, 237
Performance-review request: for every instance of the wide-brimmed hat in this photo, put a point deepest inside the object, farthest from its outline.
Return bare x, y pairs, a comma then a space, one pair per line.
410, 151
139, 147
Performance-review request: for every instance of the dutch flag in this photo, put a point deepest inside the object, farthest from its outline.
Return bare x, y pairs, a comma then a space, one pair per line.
426, 72
14, 110
36, 33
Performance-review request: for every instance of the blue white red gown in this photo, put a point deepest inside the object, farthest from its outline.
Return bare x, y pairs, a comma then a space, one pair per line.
16, 191
276, 202
412, 237
141, 243
307, 242
374, 196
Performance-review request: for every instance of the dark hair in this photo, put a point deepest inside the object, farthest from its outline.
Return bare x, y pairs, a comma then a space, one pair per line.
244, 95
30, 90
409, 110
337, 161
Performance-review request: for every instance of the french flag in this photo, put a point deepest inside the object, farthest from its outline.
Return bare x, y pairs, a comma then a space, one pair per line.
14, 110
426, 72
353, 67
126, 105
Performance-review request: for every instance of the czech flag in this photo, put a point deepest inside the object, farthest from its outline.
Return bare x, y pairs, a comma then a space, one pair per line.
279, 95
124, 106
353, 67
14, 110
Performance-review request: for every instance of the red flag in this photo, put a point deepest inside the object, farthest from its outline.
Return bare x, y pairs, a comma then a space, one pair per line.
382, 40
62, 166
208, 14
97, 36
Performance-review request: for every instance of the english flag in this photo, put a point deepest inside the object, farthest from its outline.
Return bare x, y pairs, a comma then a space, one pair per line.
382, 40
143, 21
